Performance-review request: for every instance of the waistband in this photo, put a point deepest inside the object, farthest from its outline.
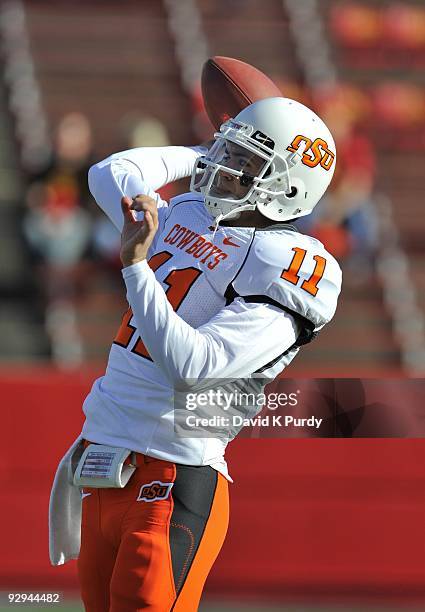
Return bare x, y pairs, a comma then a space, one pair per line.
140, 457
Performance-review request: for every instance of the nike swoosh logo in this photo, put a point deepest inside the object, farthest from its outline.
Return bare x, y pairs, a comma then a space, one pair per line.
83, 495
229, 242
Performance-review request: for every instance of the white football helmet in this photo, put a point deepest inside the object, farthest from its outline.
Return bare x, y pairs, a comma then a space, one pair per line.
289, 154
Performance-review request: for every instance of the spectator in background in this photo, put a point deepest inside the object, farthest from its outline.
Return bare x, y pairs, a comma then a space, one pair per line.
347, 220
147, 131
71, 157
57, 228
138, 131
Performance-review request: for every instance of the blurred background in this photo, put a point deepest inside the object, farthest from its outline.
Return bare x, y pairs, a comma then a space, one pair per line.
316, 523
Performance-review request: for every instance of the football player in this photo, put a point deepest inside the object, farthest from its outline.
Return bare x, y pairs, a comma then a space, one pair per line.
220, 285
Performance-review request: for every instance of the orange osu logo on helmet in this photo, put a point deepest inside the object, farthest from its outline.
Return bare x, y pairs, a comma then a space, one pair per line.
154, 491
316, 152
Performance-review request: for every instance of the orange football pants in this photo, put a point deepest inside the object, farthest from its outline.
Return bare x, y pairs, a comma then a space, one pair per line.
151, 545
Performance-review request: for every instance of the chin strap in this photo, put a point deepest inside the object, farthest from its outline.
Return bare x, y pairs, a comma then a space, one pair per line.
221, 216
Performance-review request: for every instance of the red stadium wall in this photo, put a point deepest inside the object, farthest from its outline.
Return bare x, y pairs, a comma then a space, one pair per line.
309, 517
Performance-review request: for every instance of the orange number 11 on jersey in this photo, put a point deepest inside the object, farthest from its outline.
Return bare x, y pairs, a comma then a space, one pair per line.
291, 274
179, 282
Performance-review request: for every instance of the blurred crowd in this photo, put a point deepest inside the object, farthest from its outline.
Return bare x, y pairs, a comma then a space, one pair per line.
67, 235
346, 220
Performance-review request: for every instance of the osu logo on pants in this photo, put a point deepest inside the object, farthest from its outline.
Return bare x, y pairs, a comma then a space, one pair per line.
154, 490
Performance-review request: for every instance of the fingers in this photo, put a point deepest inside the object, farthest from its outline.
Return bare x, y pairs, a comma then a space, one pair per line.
150, 222
137, 236
126, 203
141, 203
146, 204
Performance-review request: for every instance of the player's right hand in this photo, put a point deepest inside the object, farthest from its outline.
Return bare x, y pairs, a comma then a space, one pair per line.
137, 236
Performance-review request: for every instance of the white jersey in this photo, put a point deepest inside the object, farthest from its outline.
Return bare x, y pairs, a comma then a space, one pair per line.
234, 303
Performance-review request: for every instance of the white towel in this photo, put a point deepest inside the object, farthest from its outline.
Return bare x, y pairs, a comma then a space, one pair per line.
64, 514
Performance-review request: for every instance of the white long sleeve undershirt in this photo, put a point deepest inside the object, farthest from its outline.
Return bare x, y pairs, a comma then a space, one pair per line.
138, 171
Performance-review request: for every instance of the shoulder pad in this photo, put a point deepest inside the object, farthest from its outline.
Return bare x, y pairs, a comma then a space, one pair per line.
186, 197
294, 271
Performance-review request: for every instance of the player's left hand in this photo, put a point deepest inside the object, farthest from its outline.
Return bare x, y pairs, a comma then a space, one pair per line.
137, 236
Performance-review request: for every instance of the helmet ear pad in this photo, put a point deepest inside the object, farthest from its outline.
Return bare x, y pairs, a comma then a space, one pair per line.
284, 207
